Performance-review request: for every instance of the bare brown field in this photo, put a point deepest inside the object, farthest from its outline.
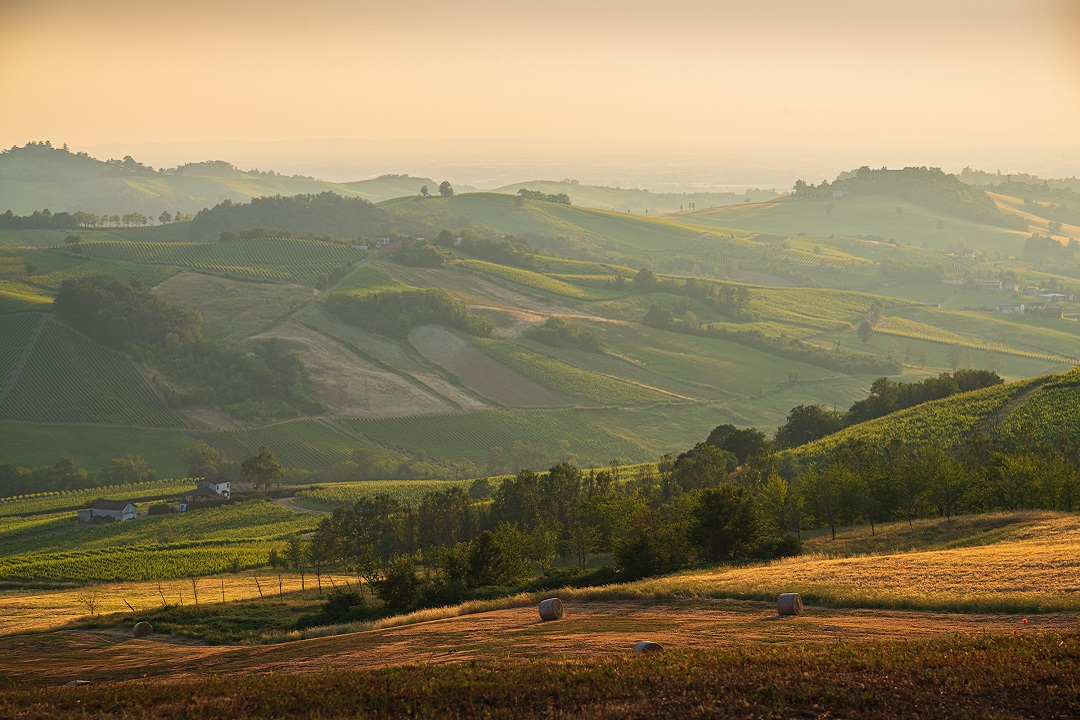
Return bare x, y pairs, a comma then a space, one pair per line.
351, 386
588, 630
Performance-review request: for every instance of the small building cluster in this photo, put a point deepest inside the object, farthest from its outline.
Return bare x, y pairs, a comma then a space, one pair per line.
213, 489
108, 510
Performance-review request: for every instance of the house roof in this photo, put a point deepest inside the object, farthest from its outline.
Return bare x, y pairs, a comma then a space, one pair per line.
204, 492
111, 504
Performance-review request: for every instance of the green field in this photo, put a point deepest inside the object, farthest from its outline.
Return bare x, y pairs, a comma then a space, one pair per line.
69, 378
868, 215
591, 387
274, 259
343, 493
525, 277
310, 444
365, 277
526, 438
92, 446
198, 542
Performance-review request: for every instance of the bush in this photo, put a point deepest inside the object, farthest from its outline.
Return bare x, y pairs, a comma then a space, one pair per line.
159, 509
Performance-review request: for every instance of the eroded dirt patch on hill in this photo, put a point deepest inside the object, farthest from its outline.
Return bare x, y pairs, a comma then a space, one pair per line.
349, 385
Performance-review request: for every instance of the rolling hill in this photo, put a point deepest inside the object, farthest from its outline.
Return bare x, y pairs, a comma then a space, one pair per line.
37, 176
442, 402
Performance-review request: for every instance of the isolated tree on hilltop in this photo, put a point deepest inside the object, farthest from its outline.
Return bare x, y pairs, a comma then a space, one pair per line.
446, 189
424, 192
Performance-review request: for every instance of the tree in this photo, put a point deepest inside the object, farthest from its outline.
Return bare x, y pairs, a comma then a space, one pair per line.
865, 331
399, 586
645, 280
806, 423
204, 460
740, 442
727, 523
263, 470
130, 469
446, 189
424, 192
164, 218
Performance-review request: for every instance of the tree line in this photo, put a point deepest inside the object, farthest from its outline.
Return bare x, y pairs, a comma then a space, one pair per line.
395, 311
457, 544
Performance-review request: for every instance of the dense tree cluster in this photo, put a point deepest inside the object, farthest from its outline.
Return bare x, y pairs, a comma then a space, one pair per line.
807, 423
925, 186
263, 381
507, 250
395, 311
654, 522
325, 213
557, 332
561, 198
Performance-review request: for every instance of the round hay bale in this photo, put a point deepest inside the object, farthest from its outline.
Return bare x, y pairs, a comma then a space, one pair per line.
551, 609
142, 629
789, 604
645, 646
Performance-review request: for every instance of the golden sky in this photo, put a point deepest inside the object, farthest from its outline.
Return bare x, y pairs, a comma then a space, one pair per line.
679, 74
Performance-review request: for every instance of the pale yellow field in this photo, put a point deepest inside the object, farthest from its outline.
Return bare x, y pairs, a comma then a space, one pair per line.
1036, 568
29, 610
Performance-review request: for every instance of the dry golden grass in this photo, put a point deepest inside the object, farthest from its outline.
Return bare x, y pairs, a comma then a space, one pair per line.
30, 610
1034, 566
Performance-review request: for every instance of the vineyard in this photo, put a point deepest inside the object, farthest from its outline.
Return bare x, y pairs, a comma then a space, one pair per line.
148, 275
299, 259
467, 439
16, 329
570, 380
48, 501
199, 542
69, 378
14, 525
937, 423
525, 277
1049, 416
306, 443
16, 297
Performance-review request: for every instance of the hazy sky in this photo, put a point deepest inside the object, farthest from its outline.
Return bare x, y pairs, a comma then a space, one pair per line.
990, 78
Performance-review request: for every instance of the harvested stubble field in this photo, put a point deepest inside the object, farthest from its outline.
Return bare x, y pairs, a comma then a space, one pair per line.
993, 633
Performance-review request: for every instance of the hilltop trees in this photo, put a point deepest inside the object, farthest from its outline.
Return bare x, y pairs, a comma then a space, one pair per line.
446, 189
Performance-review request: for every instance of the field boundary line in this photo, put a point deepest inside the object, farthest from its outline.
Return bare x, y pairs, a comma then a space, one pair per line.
20, 364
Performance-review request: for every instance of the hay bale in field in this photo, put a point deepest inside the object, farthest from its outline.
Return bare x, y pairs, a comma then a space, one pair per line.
789, 604
646, 646
77, 683
551, 609
142, 629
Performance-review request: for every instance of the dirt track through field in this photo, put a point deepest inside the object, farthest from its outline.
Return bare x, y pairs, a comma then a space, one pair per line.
587, 629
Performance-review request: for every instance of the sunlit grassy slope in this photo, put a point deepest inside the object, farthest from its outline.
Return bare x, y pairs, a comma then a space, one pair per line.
868, 215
